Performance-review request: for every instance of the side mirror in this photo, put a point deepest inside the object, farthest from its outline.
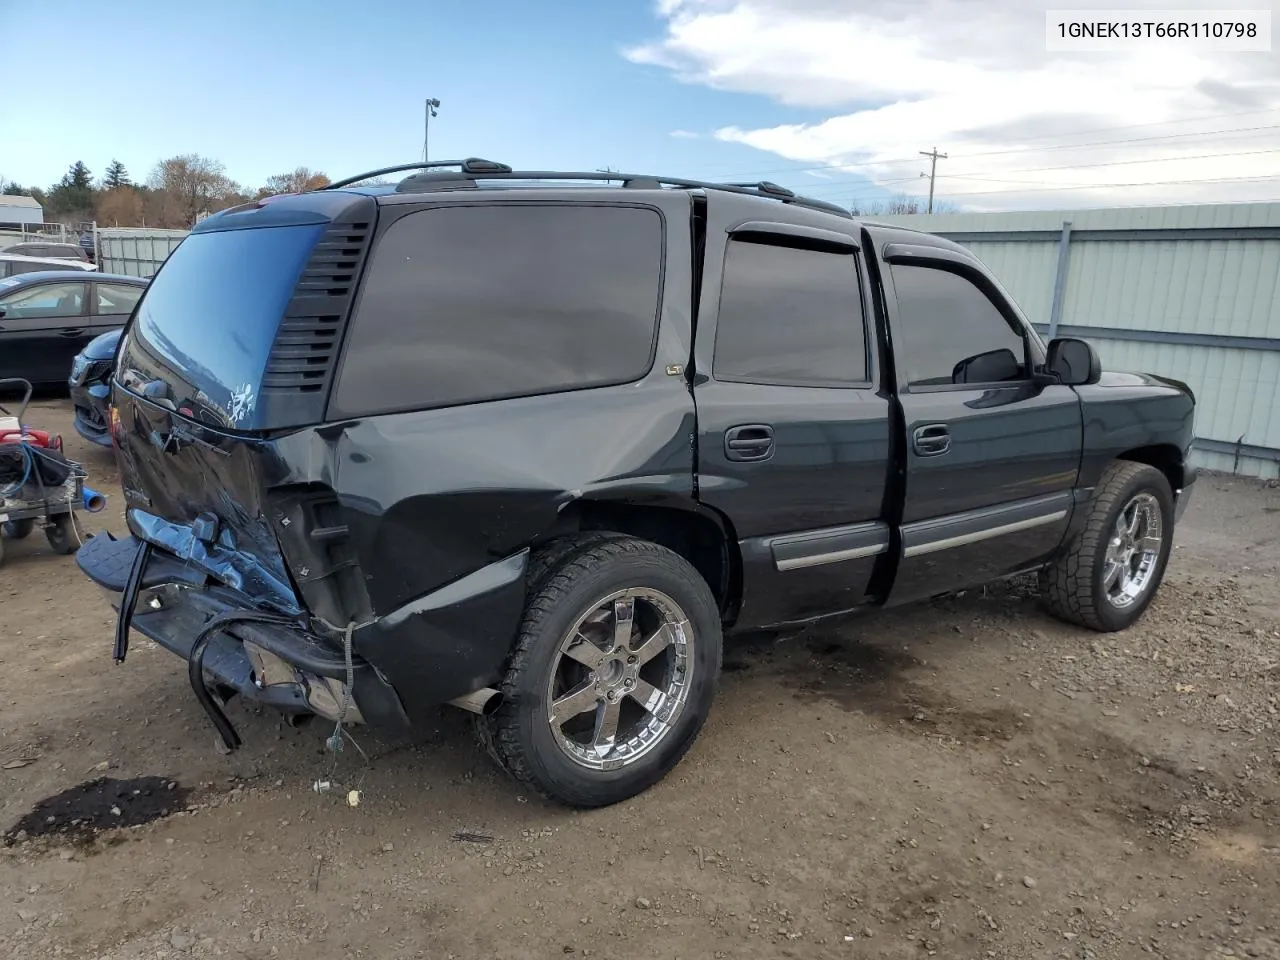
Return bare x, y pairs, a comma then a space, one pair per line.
3, 311
1074, 362
994, 366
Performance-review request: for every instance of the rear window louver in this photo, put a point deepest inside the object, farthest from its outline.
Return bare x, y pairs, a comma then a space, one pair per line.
306, 346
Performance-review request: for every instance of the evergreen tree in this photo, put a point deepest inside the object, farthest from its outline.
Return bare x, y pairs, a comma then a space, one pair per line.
116, 176
78, 176
74, 193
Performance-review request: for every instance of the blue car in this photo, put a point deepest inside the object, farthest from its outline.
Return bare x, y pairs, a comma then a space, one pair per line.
90, 384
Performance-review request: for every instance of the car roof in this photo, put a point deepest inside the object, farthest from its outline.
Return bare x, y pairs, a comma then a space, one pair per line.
26, 258
38, 275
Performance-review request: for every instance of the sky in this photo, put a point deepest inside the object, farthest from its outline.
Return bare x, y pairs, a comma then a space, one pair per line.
832, 98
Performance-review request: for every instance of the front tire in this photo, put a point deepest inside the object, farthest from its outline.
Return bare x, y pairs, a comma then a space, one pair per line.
1107, 576
612, 676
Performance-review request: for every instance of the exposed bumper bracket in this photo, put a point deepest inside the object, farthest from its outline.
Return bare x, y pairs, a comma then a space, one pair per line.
131, 588
195, 667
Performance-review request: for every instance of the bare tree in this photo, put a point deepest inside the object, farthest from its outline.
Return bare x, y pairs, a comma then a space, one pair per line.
119, 207
191, 186
899, 205
295, 181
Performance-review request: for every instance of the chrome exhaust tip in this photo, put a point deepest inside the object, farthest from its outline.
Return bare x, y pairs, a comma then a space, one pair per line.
483, 701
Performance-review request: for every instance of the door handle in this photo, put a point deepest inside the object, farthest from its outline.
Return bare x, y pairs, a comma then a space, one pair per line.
77, 332
931, 440
749, 442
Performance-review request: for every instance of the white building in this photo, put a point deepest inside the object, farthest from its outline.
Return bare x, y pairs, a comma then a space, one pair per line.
15, 210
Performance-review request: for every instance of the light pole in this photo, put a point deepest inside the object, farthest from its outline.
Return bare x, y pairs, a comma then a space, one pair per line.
432, 106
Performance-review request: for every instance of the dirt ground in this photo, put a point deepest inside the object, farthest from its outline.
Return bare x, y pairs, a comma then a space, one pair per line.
967, 778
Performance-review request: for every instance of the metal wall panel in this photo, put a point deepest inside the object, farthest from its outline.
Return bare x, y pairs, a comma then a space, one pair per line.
136, 251
1026, 270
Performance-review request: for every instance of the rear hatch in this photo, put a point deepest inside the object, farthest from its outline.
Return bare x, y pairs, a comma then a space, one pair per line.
232, 347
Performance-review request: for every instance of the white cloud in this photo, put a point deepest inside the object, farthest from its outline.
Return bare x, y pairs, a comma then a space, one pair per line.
684, 135
973, 78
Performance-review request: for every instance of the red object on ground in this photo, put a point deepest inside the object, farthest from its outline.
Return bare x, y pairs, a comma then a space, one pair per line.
37, 438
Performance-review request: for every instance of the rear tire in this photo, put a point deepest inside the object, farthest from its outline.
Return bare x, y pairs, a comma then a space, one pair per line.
612, 675
1107, 576
19, 529
62, 535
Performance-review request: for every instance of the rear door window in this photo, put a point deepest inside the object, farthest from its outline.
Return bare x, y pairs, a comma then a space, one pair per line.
471, 303
790, 316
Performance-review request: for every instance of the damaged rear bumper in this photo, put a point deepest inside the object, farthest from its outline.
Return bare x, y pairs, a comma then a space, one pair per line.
231, 647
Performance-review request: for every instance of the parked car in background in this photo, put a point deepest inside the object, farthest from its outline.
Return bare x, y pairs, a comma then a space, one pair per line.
47, 318
90, 384
49, 249
13, 264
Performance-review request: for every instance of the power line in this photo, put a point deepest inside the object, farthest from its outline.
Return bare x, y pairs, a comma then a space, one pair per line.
839, 166
832, 184
1124, 163
1106, 143
1102, 186
1061, 146
1155, 123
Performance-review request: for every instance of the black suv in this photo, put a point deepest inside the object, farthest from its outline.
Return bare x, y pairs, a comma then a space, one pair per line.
528, 443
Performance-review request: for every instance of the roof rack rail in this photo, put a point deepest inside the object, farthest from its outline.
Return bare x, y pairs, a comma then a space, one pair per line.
445, 174
471, 165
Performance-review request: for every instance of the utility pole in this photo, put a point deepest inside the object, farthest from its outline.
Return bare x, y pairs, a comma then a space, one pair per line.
605, 170
432, 106
933, 156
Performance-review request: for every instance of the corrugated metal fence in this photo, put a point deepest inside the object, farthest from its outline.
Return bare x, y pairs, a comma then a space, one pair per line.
135, 251
1188, 292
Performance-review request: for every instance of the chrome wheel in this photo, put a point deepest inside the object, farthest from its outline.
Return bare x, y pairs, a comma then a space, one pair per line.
620, 679
1133, 551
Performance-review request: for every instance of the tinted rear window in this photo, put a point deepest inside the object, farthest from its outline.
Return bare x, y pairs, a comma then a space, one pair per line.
49, 250
207, 321
471, 303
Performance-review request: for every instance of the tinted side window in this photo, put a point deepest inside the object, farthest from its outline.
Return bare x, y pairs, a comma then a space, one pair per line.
790, 315
947, 331
116, 298
463, 304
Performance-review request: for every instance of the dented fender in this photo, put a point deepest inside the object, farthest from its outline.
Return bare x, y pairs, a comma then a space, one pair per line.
441, 507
